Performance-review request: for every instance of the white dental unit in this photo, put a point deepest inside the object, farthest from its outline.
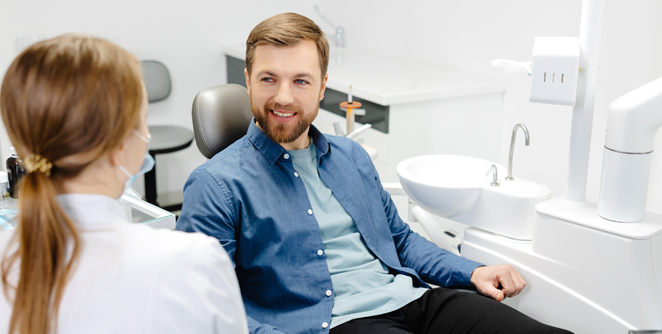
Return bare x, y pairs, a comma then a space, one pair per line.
590, 267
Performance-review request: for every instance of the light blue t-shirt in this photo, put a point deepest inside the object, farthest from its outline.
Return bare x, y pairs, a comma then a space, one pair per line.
362, 285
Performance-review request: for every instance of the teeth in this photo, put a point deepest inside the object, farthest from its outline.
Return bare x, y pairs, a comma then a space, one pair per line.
282, 114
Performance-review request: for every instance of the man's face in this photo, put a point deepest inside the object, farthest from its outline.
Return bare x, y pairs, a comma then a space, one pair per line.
285, 88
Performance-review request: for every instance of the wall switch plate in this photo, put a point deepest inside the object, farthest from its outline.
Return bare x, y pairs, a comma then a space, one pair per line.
555, 68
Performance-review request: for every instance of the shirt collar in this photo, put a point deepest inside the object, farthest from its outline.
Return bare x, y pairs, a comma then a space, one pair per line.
272, 151
91, 210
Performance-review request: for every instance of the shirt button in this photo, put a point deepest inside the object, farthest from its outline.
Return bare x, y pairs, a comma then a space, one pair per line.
296, 174
328, 293
286, 156
325, 324
320, 252
310, 211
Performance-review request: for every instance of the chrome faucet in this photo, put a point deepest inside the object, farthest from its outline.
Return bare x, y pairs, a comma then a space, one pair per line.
339, 36
512, 148
495, 177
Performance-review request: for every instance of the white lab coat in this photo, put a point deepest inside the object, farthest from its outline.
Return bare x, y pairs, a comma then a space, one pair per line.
132, 278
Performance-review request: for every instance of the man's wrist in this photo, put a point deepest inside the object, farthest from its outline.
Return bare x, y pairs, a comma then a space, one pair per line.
471, 278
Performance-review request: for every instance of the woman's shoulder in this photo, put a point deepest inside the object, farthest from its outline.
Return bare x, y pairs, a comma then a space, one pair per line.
176, 248
196, 280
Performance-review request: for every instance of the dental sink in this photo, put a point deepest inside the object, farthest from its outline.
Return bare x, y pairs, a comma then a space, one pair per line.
445, 185
457, 187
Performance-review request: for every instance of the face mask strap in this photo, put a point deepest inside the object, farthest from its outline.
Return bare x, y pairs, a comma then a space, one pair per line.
145, 139
126, 172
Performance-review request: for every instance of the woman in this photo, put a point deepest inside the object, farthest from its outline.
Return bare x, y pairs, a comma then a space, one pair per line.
75, 108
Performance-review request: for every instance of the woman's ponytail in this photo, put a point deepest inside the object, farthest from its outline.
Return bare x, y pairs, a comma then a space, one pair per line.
65, 102
48, 250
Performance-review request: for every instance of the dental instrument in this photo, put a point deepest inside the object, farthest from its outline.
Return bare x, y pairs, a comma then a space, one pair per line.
338, 131
512, 147
349, 106
358, 131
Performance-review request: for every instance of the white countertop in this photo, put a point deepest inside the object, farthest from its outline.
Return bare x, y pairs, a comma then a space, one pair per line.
586, 214
389, 80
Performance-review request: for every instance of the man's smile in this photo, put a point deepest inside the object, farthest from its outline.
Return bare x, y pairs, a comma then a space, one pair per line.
283, 114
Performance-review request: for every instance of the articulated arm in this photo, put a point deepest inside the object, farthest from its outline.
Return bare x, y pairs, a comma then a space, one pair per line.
634, 118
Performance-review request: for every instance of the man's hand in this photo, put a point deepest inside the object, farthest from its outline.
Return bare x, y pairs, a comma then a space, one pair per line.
487, 280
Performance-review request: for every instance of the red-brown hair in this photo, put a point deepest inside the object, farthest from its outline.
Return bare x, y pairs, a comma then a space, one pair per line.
70, 96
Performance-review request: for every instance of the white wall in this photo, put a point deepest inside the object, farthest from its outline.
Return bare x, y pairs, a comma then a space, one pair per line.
463, 34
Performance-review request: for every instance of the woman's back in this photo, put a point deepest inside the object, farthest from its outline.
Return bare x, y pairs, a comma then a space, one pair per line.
132, 278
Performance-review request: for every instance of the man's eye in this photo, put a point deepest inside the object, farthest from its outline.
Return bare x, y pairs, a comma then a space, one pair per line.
267, 79
301, 82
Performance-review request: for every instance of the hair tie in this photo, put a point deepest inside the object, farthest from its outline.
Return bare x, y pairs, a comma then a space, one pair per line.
37, 163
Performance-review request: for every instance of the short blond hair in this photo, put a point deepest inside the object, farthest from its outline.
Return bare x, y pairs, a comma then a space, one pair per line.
287, 29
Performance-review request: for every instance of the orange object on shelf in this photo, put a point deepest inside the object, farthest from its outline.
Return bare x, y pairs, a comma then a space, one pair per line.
353, 105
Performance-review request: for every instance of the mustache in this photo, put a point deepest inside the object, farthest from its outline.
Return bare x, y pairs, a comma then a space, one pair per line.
273, 105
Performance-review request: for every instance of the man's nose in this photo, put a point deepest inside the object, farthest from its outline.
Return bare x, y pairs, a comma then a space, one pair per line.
284, 95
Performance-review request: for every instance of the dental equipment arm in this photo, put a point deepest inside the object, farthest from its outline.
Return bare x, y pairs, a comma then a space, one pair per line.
358, 131
634, 118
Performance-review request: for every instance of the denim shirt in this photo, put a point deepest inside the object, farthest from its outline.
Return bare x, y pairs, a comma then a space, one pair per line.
251, 199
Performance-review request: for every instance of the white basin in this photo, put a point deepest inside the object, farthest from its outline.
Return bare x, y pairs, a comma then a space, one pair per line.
456, 187
445, 185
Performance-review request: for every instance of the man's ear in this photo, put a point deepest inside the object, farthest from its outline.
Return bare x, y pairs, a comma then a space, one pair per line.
248, 81
326, 78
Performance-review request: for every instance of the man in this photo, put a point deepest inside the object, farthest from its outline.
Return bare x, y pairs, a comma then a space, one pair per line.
317, 243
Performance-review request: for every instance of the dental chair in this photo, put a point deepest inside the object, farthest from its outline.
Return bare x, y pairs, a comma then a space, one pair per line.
221, 115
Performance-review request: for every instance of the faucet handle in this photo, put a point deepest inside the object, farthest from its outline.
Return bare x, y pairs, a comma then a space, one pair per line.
495, 177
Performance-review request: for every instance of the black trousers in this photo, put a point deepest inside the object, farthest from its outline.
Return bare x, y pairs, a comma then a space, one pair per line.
443, 310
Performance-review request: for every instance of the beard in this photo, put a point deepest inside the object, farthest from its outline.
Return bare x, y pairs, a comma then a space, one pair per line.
279, 132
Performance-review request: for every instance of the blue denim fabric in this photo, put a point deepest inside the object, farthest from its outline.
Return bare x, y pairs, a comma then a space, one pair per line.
248, 197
